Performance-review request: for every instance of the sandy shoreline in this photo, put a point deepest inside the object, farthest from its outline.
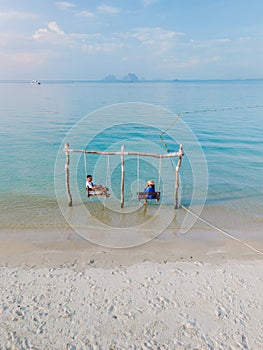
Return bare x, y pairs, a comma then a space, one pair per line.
167, 294
53, 247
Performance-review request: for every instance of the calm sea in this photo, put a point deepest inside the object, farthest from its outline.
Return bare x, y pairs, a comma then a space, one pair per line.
220, 126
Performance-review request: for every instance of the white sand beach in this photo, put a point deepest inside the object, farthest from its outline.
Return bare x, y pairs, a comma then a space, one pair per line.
72, 294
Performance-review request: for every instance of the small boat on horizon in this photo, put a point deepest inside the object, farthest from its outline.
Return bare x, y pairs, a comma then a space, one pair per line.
35, 82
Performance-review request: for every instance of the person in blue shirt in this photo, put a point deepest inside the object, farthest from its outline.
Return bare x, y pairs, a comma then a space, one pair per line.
150, 188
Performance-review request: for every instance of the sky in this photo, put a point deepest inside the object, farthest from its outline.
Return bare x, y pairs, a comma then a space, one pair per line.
154, 39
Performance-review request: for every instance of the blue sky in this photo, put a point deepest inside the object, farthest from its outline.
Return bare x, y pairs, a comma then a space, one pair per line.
155, 39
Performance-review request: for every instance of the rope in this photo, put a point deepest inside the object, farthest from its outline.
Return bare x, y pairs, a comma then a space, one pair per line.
85, 164
178, 116
222, 231
222, 109
138, 173
107, 182
159, 173
165, 131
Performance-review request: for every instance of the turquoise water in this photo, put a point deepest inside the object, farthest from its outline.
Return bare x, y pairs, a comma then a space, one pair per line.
36, 121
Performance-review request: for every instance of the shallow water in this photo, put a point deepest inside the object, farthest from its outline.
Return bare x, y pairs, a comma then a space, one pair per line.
35, 122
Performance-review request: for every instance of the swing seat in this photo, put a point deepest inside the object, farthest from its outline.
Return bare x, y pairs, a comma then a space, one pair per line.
102, 191
145, 195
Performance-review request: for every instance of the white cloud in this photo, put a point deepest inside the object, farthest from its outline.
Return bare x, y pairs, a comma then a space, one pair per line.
15, 15
55, 28
157, 40
41, 32
184, 61
64, 5
81, 36
209, 43
110, 10
168, 49
47, 33
54, 35
175, 62
102, 47
149, 36
87, 14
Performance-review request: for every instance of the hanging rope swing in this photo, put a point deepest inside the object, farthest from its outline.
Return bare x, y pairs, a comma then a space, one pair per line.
97, 190
149, 192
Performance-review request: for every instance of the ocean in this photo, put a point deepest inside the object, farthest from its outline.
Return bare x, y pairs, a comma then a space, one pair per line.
219, 123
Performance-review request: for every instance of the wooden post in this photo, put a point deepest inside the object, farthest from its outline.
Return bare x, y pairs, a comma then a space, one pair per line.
181, 153
67, 174
122, 176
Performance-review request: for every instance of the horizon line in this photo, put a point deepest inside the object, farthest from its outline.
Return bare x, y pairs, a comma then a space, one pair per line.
127, 81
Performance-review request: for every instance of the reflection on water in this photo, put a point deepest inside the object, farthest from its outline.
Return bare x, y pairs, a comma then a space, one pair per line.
140, 215
134, 225
101, 225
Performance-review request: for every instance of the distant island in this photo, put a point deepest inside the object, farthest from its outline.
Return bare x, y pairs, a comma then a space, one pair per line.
130, 77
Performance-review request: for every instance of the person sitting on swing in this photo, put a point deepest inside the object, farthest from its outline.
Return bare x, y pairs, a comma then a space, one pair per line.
150, 188
95, 189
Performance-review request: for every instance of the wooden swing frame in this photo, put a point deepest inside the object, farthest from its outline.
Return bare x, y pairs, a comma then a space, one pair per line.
122, 154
